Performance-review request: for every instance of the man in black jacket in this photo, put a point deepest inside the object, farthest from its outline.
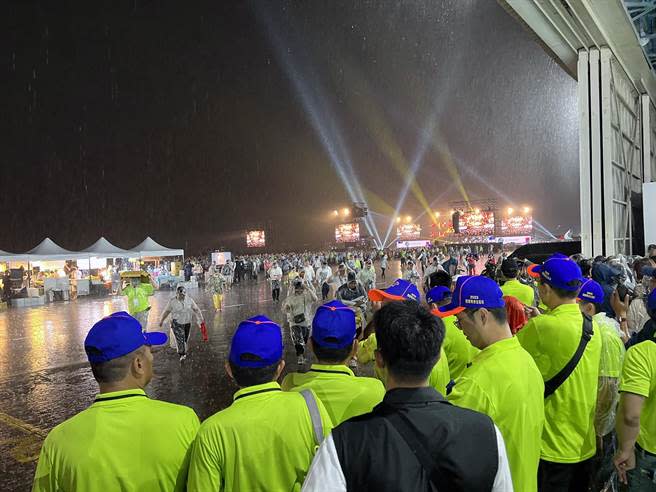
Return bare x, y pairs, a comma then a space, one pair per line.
413, 440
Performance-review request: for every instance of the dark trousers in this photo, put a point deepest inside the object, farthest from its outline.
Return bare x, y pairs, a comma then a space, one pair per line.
181, 333
382, 275
564, 477
300, 335
275, 293
325, 289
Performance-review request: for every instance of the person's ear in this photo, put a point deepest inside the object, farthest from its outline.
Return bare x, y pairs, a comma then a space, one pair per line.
228, 370
138, 365
380, 363
281, 366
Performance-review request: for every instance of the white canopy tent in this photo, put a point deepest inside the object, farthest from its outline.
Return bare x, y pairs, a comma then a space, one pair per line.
102, 248
150, 248
6, 256
48, 250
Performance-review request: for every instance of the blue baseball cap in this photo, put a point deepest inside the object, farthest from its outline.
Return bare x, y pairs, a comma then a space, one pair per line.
559, 271
651, 301
437, 294
400, 290
117, 335
649, 271
591, 291
257, 336
333, 325
474, 292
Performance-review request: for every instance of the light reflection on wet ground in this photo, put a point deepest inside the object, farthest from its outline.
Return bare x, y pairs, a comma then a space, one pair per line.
45, 379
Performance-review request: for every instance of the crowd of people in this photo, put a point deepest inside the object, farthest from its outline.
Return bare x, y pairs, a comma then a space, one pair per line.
525, 377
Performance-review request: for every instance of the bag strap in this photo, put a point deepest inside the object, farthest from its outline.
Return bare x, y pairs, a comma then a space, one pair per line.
315, 415
586, 334
409, 433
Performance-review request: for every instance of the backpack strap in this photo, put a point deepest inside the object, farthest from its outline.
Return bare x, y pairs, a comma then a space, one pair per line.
315, 415
555, 382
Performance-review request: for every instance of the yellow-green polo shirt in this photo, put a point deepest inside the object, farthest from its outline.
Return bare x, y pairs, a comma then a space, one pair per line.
639, 377
138, 297
459, 351
263, 441
552, 339
439, 377
504, 383
342, 393
523, 292
123, 441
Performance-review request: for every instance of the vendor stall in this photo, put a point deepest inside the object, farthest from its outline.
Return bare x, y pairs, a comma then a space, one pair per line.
164, 272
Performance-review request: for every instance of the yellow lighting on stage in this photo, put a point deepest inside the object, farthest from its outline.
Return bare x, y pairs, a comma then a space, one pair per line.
526, 210
346, 211
510, 210
335, 213
451, 212
408, 219
398, 219
478, 210
437, 214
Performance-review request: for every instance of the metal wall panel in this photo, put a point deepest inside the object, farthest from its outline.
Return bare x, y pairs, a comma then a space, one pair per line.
621, 164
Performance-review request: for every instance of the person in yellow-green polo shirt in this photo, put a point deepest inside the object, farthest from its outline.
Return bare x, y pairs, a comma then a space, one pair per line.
636, 417
267, 438
401, 290
137, 294
502, 380
568, 439
334, 343
459, 351
512, 286
124, 440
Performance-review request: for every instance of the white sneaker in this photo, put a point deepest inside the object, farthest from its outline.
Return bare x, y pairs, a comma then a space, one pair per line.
183, 357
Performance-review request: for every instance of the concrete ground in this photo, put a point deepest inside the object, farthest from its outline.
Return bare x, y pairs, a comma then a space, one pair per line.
45, 378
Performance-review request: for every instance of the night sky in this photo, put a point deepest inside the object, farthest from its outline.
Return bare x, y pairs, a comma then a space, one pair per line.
194, 121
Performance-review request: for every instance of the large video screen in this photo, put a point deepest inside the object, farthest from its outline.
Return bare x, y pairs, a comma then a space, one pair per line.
347, 233
255, 239
408, 231
517, 225
441, 228
477, 223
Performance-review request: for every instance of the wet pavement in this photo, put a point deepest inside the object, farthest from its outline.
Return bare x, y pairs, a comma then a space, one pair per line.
45, 379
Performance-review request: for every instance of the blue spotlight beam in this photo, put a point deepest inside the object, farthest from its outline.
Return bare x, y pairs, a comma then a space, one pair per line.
321, 118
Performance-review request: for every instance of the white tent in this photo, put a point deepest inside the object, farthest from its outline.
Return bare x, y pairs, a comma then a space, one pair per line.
102, 248
49, 250
150, 248
5, 256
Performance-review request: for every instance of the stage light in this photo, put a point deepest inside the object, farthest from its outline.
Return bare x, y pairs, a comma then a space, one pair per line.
335, 213
478, 210
527, 210
510, 210
437, 214
408, 219
346, 211
398, 219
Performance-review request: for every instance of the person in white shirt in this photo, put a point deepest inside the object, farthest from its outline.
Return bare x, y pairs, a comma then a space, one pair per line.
383, 266
324, 275
275, 276
432, 268
368, 276
410, 273
182, 309
309, 271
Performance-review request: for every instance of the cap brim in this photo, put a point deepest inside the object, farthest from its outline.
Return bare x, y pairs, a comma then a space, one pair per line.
450, 309
377, 295
534, 270
156, 338
446, 314
649, 271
